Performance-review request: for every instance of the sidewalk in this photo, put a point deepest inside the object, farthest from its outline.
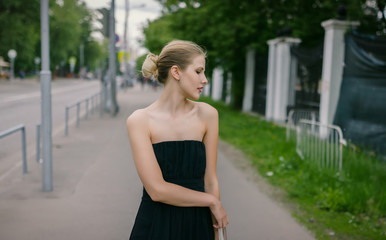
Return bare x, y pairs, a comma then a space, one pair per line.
97, 190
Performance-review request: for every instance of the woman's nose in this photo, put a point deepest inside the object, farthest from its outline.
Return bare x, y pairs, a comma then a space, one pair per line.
204, 81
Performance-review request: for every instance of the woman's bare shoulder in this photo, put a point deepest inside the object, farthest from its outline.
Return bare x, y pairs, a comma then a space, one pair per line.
206, 110
138, 117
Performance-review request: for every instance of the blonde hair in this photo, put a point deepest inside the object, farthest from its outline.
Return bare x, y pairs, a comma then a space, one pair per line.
177, 52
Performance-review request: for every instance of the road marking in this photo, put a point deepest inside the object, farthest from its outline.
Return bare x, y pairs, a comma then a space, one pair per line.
17, 165
37, 94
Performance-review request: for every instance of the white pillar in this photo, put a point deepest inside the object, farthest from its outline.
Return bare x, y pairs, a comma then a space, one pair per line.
228, 97
217, 84
249, 80
281, 86
333, 63
270, 79
282, 77
207, 89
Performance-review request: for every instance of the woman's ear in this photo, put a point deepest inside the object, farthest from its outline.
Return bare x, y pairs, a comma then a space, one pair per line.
175, 72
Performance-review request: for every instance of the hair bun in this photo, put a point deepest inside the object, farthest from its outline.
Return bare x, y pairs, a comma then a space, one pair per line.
150, 66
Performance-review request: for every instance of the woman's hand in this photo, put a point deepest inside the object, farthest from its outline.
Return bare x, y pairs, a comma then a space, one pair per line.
220, 215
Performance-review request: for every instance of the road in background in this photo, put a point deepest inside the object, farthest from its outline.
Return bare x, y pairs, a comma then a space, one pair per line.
20, 103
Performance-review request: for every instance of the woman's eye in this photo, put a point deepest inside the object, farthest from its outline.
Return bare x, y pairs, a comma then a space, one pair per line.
198, 72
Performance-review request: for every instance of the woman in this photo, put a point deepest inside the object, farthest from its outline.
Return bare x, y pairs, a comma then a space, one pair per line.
174, 146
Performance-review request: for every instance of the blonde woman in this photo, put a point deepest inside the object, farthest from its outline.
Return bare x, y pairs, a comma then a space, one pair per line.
174, 146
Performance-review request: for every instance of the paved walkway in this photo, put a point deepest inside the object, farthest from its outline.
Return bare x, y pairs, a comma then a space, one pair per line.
97, 190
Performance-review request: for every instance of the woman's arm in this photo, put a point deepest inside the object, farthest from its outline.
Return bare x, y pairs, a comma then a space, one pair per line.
210, 116
210, 140
150, 172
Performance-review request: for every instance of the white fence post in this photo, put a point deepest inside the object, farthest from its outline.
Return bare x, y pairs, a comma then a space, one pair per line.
228, 97
333, 63
280, 85
249, 80
217, 84
271, 79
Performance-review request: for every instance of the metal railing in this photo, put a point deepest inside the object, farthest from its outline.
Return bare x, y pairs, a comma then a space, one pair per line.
294, 117
23, 142
320, 143
38, 143
93, 99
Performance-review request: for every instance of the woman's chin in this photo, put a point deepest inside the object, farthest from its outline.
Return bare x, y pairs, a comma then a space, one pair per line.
196, 97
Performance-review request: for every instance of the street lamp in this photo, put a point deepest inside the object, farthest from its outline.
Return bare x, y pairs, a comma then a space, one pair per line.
37, 62
126, 40
82, 70
12, 55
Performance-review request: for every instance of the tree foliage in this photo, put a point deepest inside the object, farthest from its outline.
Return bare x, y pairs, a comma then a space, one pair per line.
227, 27
70, 26
20, 30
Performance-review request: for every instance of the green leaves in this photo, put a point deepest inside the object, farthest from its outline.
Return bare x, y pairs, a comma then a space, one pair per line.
227, 28
70, 26
158, 33
19, 30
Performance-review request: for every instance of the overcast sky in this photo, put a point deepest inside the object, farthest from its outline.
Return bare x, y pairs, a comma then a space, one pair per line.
138, 16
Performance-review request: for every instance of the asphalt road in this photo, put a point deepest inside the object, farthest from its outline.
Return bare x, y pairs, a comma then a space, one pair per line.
20, 103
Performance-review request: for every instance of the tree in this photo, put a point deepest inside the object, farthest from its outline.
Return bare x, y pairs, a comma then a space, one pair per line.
70, 25
158, 33
227, 27
20, 30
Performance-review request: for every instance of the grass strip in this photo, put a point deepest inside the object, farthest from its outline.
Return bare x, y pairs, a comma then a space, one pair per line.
347, 204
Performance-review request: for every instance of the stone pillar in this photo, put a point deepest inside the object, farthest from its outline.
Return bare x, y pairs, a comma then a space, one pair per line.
207, 90
270, 79
228, 97
281, 82
249, 80
217, 84
333, 63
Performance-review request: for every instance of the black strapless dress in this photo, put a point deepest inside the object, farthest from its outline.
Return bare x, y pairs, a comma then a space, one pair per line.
182, 163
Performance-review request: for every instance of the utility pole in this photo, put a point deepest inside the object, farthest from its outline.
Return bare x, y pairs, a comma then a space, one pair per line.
81, 60
45, 83
112, 58
125, 47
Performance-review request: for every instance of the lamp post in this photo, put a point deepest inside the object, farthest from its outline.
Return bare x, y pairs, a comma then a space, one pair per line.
12, 55
46, 113
126, 40
82, 68
37, 62
81, 60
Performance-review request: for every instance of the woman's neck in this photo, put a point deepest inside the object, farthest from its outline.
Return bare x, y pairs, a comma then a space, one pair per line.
172, 100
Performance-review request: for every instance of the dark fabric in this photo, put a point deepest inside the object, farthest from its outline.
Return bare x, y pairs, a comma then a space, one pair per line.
374, 45
182, 163
361, 109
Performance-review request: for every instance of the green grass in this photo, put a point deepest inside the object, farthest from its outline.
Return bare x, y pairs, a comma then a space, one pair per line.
350, 204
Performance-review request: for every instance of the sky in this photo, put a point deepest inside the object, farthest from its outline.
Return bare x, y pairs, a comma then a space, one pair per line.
138, 17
